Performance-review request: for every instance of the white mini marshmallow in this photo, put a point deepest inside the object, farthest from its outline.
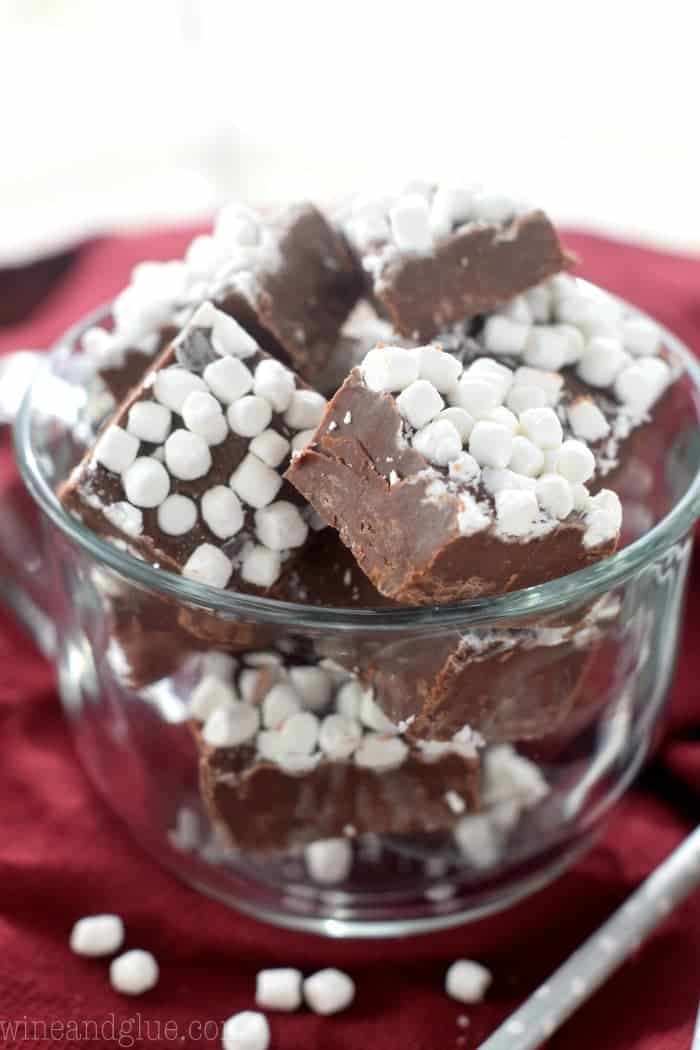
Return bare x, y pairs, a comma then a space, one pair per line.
299, 733
187, 455
526, 457
328, 861
201, 413
451, 206
575, 461
313, 685
222, 511
301, 440
247, 1030
255, 482
539, 300
493, 372
97, 935
149, 421
380, 752
586, 419
278, 989
146, 482
438, 367
261, 566
640, 384
373, 717
470, 517
581, 497
177, 515
172, 385
547, 347
495, 480
305, 410
207, 564
116, 449
467, 981
516, 511
521, 397
388, 369
476, 395
542, 427
419, 403
220, 665
228, 379
501, 335
409, 219
270, 447
554, 495
249, 416
280, 526
491, 444
124, 517
209, 694
231, 724
550, 382
439, 442
231, 339
505, 417
464, 468
339, 737
349, 699
640, 337
275, 383
460, 420
134, 972
517, 309
603, 518
280, 703
329, 991
601, 361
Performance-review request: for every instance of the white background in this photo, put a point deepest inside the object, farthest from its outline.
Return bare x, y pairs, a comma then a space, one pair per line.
127, 112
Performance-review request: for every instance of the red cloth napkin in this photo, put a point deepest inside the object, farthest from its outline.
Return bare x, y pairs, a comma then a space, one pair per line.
63, 855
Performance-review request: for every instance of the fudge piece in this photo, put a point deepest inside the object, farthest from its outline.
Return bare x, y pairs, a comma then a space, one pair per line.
293, 753
188, 473
438, 254
429, 522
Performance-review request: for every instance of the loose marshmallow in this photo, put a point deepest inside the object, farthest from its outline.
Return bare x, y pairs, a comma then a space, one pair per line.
478, 841
209, 694
255, 482
539, 301
149, 421
640, 384
305, 410
603, 518
438, 367
601, 361
172, 385
498, 375
187, 455
409, 219
328, 861
505, 417
419, 403
275, 383
280, 703
97, 935
547, 347
460, 420
146, 482
220, 665
464, 468
313, 686
222, 511
231, 724
521, 397
230, 339
516, 511
349, 698
117, 449
502, 335
278, 989
494, 208
299, 733
372, 715
134, 972
329, 991
339, 737
491, 444
249, 416
554, 495
550, 382
496, 479
280, 526
177, 515
301, 440
439, 442
207, 564
228, 379
470, 517
124, 517
640, 337
451, 206
270, 447
526, 457
467, 981
380, 752
575, 461
517, 309
587, 421
542, 427
476, 395
261, 566
388, 369
247, 1030
201, 413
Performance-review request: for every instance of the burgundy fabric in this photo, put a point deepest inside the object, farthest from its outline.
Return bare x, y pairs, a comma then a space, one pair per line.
62, 854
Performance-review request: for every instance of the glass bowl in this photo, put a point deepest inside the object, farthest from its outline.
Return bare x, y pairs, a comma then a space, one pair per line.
566, 682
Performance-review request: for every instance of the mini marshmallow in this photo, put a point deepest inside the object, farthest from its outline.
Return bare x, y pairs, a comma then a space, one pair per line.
230, 339
231, 725
542, 427
228, 379
548, 347
301, 440
438, 367
409, 219
280, 703
470, 517
134, 972
554, 495
275, 383
247, 1030
640, 337
177, 515
329, 991
581, 497
220, 665
261, 566
380, 752
149, 421
521, 397
491, 444
328, 861
305, 410
640, 384
97, 935
117, 449
146, 482
270, 447
478, 841
249, 416
451, 206
172, 385
209, 694
586, 420
502, 335
222, 511
124, 517
339, 736
388, 369
475, 395
495, 480
467, 981
207, 564
255, 482
601, 361
494, 208
278, 989
439, 442
549, 382
373, 717
526, 457
313, 686
201, 413
187, 455
419, 403
464, 468
505, 417
349, 698
575, 461
517, 309
516, 511
603, 518
539, 301
460, 420
493, 372
280, 526
299, 733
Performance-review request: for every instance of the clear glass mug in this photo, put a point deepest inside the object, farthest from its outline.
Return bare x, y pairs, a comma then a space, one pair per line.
567, 682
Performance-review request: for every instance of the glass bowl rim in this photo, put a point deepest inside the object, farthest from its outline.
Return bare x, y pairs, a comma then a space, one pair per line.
543, 599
